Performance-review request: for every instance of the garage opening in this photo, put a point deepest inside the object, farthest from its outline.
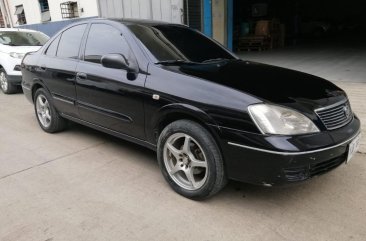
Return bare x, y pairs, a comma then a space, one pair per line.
288, 22
325, 38
193, 14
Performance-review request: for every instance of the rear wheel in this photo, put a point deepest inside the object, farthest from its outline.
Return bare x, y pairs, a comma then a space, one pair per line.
190, 160
48, 117
6, 86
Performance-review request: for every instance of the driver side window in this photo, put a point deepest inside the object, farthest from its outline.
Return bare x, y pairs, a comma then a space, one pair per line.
104, 39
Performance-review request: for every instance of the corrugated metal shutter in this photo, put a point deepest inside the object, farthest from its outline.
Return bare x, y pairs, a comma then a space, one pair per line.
164, 10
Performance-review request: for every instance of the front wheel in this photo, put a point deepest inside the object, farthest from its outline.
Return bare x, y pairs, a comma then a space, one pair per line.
190, 160
48, 117
6, 86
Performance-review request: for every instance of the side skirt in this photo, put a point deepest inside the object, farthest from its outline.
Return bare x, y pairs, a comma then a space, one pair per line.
111, 132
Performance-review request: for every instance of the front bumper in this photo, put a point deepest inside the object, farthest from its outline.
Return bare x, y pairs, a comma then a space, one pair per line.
280, 160
15, 79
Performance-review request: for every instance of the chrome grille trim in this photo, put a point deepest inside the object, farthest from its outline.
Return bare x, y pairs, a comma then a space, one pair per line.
335, 116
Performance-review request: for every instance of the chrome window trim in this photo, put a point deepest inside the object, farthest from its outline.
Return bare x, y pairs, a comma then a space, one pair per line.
295, 153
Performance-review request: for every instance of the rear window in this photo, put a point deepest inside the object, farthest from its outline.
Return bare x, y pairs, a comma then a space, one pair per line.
18, 38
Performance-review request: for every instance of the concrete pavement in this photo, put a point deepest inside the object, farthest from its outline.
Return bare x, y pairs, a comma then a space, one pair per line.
336, 60
84, 185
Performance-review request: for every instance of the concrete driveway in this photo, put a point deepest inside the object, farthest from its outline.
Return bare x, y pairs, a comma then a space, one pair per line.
84, 185
341, 60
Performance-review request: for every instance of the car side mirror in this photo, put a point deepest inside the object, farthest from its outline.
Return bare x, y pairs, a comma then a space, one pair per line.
119, 61
115, 61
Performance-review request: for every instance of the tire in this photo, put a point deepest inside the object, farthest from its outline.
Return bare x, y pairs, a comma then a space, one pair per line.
6, 87
47, 116
190, 160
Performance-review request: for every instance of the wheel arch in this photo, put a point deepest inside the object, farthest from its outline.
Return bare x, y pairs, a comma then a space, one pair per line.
174, 112
37, 84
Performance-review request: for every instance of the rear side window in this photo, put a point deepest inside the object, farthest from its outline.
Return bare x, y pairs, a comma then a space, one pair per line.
70, 42
52, 48
104, 39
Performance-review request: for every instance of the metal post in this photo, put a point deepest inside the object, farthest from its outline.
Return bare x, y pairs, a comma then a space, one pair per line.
207, 17
230, 23
187, 13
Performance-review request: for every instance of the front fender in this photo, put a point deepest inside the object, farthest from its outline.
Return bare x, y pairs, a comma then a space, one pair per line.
175, 111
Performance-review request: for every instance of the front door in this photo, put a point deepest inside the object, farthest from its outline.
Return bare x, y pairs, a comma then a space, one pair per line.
105, 96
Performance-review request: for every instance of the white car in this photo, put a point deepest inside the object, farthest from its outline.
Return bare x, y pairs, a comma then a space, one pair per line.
14, 44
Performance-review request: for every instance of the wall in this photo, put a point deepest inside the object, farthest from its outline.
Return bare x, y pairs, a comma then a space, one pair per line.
33, 12
90, 8
219, 21
163, 10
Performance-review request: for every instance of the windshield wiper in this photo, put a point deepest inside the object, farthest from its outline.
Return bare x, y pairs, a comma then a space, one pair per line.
214, 60
10, 44
175, 62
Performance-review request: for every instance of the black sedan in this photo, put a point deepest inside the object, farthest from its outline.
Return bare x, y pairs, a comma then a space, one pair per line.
209, 115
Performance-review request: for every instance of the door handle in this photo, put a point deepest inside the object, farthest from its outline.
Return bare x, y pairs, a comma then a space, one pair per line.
81, 76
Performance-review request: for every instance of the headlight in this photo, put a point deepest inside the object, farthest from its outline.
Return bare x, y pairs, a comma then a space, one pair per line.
16, 55
272, 119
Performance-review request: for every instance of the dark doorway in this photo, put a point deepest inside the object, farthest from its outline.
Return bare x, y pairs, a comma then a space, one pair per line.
302, 20
193, 14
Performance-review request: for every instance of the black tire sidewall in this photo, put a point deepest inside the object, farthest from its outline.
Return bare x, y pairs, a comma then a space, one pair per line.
211, 151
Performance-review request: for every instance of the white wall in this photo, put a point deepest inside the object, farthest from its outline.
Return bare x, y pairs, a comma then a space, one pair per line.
32, 9
164, 10
90, 8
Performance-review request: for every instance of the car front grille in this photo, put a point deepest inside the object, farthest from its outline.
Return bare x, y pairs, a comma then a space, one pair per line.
301, 173
335, 116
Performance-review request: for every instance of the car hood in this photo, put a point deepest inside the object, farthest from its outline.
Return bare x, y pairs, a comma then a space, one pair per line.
269, 83
20, 49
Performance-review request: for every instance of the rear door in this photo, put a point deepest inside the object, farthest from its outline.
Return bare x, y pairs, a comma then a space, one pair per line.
105, 96
57, 68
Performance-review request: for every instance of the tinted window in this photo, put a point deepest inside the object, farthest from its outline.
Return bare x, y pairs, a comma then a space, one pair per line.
104, 39
20, 38
52, 48
70, 42
168, 42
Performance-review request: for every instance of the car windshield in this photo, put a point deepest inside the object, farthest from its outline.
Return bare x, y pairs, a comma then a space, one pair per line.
172, 43
18, 38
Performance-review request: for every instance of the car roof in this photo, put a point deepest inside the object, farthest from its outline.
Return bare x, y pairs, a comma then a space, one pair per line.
141, 21
131, 21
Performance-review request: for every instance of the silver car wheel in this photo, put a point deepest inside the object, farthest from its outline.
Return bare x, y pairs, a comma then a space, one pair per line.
43, 111
185, 161
3, 81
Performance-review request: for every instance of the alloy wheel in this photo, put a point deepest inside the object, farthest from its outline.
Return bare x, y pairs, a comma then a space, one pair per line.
43, 111
185, 161
3, 82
